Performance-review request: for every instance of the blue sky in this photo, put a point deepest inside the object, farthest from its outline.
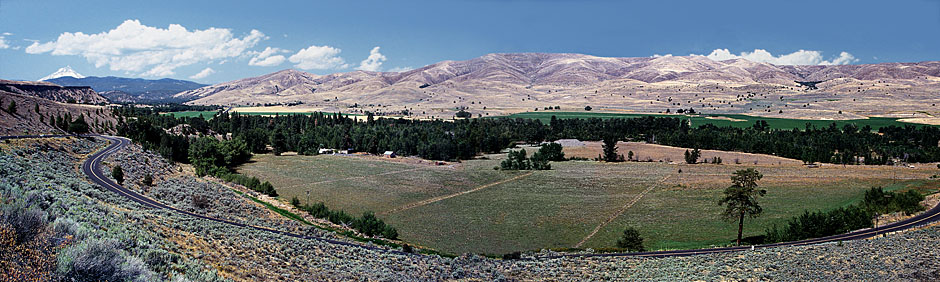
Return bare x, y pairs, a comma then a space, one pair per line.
226, 40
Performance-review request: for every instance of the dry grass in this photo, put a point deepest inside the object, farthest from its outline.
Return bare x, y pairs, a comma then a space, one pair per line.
560, 207
644, 152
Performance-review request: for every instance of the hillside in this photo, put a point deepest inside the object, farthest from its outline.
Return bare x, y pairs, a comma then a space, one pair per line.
98, 234
54, 92
38, 103
132, 90
507, 83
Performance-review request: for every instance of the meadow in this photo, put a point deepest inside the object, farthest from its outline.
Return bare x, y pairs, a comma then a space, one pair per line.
205, 114
733, 120
509, 211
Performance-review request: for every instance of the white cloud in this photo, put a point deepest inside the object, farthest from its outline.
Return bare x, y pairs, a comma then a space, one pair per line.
801, 57
3, 42
373, 62
661, 56
401, 69
203, 74
267, 58
318, 57
134, 47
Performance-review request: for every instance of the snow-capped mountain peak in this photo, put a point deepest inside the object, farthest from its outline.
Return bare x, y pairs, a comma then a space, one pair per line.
63, 72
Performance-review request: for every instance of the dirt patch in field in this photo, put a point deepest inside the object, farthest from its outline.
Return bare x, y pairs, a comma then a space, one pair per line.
930, 120
660, 153
724, 118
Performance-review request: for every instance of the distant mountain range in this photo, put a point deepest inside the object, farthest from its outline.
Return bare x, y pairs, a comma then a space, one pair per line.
132, 90
506, 83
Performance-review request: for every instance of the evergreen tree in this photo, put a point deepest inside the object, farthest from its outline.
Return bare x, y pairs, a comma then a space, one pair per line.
118, 174
631, 240
610, 149
740, 199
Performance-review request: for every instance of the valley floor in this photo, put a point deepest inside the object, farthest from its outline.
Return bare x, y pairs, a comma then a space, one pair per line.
104, 234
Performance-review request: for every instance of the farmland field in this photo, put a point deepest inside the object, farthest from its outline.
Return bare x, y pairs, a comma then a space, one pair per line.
733, 120
514, 210
206, 114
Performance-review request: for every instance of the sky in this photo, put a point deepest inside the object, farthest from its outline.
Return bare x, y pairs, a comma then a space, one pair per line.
218, 41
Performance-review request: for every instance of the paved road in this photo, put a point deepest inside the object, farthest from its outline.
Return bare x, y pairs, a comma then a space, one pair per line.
92, 168
927, 217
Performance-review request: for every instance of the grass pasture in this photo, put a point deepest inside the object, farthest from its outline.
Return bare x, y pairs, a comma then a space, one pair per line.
205, 114
560, 207
733, 120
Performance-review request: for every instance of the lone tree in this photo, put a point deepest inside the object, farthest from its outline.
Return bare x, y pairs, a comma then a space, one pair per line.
118, 174
631, 240
740, 199
553, 151
12, 107
691, 157
610, 149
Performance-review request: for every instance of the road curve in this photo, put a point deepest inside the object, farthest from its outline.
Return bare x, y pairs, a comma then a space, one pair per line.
92, 168
924, 218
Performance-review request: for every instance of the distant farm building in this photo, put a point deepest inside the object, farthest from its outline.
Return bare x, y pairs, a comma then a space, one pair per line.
389, 154
326, 151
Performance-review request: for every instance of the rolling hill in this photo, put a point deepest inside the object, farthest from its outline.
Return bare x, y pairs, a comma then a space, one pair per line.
507, 83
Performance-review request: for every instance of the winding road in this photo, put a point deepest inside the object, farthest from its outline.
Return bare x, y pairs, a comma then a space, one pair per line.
92, 168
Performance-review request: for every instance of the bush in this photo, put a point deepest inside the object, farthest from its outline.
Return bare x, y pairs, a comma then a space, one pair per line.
118, 174
877, 201
368, 224
148, 180
553, 152
512, 256
515, 160
820, 224
631, 240
27, 222
100, 260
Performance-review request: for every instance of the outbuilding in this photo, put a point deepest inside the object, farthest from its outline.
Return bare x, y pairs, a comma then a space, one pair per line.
389, 154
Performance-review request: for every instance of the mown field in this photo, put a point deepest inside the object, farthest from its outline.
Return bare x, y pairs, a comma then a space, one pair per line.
723, 120
560, 207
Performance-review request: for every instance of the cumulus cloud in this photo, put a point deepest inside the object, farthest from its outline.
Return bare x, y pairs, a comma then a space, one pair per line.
318, 57
3, 42
801, 57
267, 58
202, 74
150, 51
373, 62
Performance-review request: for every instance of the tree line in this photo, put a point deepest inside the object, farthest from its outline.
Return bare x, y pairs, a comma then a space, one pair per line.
464, 139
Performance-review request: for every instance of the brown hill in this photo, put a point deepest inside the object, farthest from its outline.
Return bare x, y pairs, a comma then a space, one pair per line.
507, 83
50, 91
27, 120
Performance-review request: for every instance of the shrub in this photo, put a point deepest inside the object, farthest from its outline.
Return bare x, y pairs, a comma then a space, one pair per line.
515, 160
148, 180
631, 240
553, 152
100, 260
26, 221
512, 256
118, 174
820, 224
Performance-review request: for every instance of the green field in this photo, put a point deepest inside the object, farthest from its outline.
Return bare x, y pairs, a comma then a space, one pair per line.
558, 208
776, 123
205, 114
286, 113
